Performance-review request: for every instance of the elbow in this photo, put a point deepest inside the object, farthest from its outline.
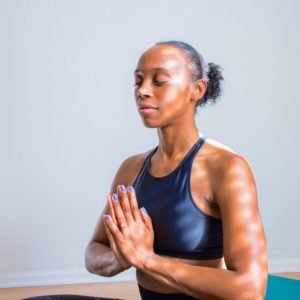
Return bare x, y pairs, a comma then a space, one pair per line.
252, 289
249, 294
87, 263
92, 263
88, 266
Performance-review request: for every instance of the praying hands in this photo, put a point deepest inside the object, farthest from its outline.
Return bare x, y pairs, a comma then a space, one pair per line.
129, 229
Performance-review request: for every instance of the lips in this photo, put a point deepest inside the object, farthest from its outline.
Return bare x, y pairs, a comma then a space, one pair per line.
145, 106
147, 109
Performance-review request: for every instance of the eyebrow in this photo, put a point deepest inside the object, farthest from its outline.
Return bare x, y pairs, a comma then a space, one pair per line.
154, 69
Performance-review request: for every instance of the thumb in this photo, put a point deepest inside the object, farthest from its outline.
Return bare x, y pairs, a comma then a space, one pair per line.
146, 218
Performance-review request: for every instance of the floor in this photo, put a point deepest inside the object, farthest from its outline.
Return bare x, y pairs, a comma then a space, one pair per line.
124, 290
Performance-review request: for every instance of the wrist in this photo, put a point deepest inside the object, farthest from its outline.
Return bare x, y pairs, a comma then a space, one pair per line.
116, 267
149, 261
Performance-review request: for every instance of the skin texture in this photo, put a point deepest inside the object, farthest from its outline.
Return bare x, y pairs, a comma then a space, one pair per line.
222, 185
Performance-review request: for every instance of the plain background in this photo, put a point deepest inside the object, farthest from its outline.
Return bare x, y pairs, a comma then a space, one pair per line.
68, 117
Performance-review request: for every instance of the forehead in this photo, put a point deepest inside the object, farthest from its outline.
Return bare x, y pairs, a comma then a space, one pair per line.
162, 56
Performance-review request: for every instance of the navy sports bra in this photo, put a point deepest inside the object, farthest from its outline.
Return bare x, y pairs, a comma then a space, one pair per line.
181, 228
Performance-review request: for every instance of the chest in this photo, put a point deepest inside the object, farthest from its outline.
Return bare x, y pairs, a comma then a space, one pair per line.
178, 222
200, 183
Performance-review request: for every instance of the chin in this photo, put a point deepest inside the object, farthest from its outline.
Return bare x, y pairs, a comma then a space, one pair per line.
151, 124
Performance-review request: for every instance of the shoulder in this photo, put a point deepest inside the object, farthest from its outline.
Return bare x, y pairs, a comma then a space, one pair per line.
231, 177
129, 169
222, 159
225, 167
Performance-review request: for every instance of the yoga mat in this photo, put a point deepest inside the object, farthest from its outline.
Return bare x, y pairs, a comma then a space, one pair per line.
68, 297
282, 288
278, 288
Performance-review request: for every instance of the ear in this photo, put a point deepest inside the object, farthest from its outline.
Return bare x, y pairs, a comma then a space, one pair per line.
199, 89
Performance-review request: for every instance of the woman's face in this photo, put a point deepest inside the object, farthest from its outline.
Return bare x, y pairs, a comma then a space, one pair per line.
162, 80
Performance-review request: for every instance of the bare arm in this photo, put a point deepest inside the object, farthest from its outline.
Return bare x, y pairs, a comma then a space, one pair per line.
99, 257
245, 247
100, 260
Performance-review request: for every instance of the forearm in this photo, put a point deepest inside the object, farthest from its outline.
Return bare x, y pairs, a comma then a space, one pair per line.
196, 281
100, 260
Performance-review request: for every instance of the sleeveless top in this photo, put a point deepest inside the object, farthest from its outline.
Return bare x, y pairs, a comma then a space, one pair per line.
180, 227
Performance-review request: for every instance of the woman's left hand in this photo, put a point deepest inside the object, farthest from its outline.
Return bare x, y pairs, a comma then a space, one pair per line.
135, 239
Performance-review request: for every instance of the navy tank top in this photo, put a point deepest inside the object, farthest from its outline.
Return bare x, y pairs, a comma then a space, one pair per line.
181, 228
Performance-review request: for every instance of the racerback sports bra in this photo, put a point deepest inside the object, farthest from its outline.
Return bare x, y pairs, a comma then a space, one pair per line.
181, 228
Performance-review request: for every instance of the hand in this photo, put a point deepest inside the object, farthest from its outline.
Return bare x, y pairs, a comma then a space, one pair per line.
135, 241
122, 261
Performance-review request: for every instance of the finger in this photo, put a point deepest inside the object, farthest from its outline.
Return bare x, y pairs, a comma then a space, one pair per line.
111, 239
120, 217
146, 218
133, 204
111, 208
124, 202
116, 233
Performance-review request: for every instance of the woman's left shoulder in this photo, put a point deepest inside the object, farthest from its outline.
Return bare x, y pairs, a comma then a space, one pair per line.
222, 158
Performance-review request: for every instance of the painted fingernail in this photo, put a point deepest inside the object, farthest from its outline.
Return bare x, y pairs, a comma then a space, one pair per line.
115, 197
131, 188
123, 189
108, 217
144, 210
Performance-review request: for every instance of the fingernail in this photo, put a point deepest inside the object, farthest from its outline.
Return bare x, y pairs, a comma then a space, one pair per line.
115, 197
108, 217
144, 210
131, 188
123, 189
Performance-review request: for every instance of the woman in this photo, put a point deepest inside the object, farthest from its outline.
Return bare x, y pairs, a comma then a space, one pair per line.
188, 220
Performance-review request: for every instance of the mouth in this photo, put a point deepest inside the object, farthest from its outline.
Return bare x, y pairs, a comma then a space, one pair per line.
147, 110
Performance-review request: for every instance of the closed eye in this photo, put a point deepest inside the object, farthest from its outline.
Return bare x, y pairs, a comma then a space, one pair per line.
158, 83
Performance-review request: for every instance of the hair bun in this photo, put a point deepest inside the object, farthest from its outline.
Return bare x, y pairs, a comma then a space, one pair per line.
214, 72
214, 77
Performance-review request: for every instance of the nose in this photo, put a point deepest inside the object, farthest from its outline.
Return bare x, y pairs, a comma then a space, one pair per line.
143, 90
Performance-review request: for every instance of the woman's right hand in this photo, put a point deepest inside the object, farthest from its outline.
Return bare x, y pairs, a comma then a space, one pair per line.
122, 261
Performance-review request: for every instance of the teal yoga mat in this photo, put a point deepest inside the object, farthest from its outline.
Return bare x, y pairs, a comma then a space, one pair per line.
282, 288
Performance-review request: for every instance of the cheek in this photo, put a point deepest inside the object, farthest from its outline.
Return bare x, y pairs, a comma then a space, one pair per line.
173, 103
175, 94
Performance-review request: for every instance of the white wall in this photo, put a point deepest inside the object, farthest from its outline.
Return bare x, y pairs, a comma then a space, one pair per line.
68, 118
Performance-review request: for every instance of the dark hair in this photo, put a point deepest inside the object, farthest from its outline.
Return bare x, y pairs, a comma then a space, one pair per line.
212, 73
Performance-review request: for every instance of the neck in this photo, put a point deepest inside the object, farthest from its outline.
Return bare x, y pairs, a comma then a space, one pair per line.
174, 142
